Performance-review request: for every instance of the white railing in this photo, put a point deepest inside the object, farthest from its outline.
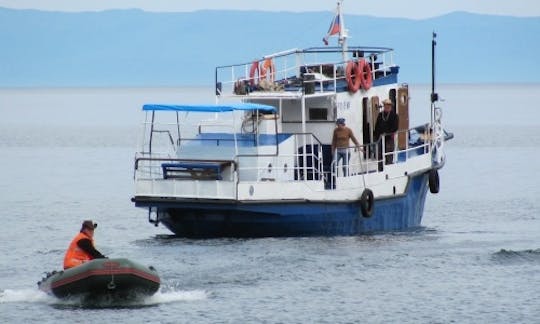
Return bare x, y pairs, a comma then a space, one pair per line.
294, 69
375, 158
305, 163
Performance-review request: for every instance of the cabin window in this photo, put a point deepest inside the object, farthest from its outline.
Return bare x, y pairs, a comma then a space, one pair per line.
318, 114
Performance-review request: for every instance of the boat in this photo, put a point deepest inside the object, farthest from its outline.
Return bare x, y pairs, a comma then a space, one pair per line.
258, 161
102, 279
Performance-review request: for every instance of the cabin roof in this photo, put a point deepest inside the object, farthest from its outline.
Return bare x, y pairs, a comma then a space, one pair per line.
211, 108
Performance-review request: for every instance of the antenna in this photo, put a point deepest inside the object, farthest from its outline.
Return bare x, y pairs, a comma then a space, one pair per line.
434, 95
342, 32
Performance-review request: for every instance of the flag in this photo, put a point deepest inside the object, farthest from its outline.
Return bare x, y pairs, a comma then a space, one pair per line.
335, 28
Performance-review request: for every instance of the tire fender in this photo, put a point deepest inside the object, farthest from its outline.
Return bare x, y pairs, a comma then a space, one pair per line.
434, 181
367, 203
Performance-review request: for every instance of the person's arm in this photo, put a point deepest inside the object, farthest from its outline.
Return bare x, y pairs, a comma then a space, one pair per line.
334, 139
355, 141
87, 246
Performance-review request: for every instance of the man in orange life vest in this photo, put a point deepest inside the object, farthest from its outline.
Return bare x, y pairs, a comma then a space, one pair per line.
81, 249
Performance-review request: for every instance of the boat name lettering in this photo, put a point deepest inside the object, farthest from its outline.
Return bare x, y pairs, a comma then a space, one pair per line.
344, 105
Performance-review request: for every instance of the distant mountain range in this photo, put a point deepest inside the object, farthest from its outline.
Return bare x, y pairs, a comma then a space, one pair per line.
137, 48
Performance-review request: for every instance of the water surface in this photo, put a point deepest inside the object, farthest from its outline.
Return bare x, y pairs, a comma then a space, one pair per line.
67, 155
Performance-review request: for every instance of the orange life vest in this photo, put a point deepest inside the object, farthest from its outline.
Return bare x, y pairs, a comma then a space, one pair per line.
74, 254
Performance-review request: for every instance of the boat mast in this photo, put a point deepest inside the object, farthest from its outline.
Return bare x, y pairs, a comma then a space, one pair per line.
434, 95
342, 33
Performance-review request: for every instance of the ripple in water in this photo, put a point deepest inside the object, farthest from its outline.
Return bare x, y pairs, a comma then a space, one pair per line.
509, 256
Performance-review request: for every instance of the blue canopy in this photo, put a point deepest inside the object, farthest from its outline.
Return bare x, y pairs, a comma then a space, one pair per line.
211, 108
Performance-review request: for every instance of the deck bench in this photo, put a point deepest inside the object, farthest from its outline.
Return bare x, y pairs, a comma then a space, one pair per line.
193, 170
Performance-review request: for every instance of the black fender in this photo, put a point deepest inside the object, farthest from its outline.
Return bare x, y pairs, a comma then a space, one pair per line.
434, 182
367, 203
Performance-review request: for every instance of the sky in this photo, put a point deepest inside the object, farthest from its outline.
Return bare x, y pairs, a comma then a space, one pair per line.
413, 9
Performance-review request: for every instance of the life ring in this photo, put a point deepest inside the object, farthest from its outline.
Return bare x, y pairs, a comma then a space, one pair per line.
254, 69
434, 181
367, 203
366, 79
352, 69
267, 68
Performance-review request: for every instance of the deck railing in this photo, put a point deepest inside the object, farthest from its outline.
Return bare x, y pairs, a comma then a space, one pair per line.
306, 163
375, 157
314, 69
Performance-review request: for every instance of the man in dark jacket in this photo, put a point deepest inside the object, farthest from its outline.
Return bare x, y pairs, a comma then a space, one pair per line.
386, 125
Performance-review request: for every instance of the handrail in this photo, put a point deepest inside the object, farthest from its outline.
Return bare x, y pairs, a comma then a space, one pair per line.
289, 76
315, 50
369, 157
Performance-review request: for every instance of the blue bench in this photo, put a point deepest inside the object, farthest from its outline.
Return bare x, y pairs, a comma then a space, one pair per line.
193, 170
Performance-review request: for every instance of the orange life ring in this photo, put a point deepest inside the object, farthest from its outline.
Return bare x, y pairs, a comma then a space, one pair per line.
352, 69
254, 69
366, 79
267, 68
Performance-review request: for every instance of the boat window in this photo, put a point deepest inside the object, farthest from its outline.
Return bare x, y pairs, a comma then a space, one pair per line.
318, 114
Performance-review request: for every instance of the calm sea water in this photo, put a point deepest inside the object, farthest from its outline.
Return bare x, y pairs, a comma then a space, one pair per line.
67, 155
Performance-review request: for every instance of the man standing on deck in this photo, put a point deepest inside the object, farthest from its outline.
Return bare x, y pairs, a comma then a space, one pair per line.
386, 125
340, 144
81, 249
